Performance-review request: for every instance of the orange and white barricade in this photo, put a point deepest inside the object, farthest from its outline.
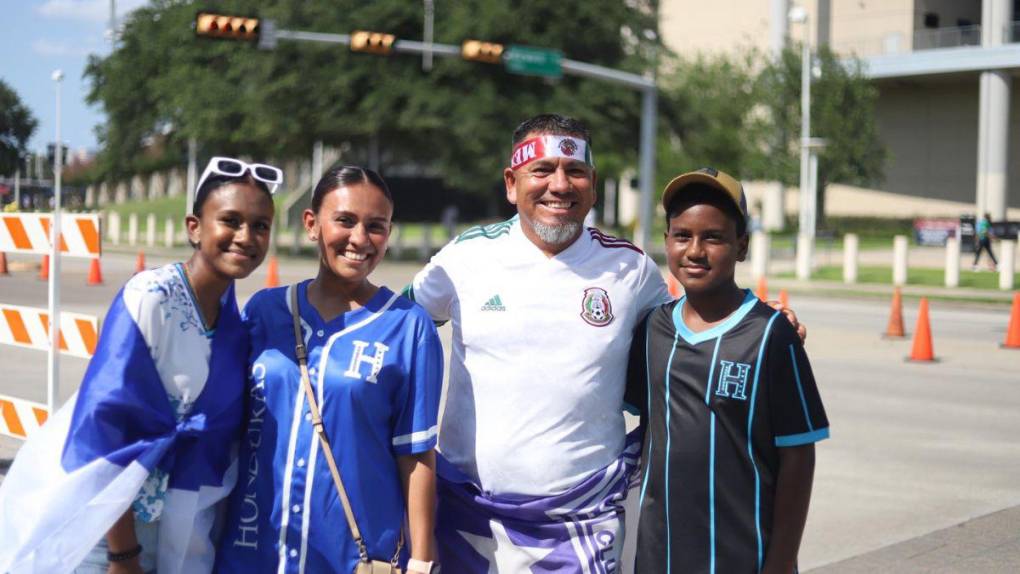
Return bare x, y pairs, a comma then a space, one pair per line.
30, 233
20, 418
29, 327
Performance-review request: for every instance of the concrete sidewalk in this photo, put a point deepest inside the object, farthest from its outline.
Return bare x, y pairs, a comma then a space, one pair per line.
986, 545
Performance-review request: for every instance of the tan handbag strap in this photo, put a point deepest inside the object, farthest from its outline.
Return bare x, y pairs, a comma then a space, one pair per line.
320, 429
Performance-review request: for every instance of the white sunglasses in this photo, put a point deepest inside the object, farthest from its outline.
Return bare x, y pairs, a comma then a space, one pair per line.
228, 166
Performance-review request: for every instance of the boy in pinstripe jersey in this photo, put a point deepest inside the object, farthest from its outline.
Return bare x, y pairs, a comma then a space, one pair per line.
728, 403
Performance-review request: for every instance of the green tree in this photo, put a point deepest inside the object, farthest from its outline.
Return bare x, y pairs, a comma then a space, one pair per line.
17, 124
842, 113
742, 115
164, 83
711, 115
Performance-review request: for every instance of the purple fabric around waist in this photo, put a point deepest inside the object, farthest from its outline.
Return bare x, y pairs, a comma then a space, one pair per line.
577, 531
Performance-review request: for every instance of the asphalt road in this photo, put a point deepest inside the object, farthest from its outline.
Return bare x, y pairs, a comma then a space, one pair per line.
915, 448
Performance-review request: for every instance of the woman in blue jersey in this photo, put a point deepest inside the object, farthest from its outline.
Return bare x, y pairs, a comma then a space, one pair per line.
139, 459
374, 372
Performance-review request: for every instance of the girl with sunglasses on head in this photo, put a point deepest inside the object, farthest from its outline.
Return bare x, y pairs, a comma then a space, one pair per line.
126, 476
367, 363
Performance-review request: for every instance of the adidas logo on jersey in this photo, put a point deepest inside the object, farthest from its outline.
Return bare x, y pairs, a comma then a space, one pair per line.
494, 304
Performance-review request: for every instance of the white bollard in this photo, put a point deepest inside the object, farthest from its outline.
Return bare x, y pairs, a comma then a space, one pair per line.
168, 232
150, 230
952, 262
133, 229
805, 246
426, 241
1007, 264
396, 244
113, 230
851, 246
899, 273
295, 246
759, 254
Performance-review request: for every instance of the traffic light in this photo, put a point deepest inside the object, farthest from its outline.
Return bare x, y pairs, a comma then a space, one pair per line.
210, 25
479, 51
372, 42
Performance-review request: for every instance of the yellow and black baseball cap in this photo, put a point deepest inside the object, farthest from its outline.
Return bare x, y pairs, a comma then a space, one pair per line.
710, 177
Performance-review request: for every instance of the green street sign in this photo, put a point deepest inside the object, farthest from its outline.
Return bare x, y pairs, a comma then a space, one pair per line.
530, 61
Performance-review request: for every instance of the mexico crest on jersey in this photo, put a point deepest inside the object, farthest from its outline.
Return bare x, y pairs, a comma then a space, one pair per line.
596, 310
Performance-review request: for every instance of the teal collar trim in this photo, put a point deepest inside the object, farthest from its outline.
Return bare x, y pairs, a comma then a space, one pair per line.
717, 331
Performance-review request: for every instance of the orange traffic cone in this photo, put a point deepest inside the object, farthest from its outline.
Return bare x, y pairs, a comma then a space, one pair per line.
140, 262
44, 268
273, 273
1013, 332
673, 286
763, 289
784, 298
95, 273
895, 328
922, 350
3, 264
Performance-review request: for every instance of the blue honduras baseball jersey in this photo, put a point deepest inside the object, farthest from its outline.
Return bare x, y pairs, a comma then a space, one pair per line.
377, 372
716, 407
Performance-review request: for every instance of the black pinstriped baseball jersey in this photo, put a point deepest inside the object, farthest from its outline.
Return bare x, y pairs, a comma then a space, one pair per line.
730, 397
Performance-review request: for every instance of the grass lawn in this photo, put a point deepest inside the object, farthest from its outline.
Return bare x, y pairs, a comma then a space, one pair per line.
163, 207
864, 242
410, 234
915, 276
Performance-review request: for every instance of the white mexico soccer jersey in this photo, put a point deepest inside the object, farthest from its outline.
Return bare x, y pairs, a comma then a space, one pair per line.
539, 356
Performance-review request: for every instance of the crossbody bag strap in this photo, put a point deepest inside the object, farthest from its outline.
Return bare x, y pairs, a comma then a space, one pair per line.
302, 357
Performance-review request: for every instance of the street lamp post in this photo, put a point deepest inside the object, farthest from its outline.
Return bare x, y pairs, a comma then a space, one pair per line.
426, 56
192, 177
806, 216
53, 367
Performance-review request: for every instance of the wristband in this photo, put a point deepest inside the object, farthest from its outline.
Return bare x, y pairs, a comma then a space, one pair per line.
419, 566
122, 556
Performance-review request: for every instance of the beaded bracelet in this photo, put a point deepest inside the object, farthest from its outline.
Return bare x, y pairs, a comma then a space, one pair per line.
122, 556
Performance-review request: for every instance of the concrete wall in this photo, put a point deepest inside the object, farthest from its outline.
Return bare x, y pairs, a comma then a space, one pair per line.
690, 27
872, 27
930, 129
847, 200
849, 26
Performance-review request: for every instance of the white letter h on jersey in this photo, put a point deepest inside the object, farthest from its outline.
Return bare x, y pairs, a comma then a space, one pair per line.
728, 378
358, 357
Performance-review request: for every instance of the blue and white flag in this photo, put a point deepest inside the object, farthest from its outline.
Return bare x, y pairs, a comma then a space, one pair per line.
81, 472
576, 532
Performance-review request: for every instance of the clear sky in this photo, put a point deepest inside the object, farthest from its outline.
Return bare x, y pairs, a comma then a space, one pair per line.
39, 36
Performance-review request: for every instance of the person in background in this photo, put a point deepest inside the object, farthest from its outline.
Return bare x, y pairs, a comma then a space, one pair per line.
983, 238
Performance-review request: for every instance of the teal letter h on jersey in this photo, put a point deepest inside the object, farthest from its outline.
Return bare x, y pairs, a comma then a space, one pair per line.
729, 379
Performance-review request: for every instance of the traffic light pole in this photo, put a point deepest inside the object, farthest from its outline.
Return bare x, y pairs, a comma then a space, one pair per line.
269, 35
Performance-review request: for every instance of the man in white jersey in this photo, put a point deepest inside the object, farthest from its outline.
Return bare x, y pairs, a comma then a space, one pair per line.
535, 463
543, 310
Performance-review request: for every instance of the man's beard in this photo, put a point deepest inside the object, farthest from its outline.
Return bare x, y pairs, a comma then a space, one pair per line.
557, 234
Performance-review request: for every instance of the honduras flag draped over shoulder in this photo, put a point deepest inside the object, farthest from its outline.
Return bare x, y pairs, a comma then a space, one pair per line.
73, 479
